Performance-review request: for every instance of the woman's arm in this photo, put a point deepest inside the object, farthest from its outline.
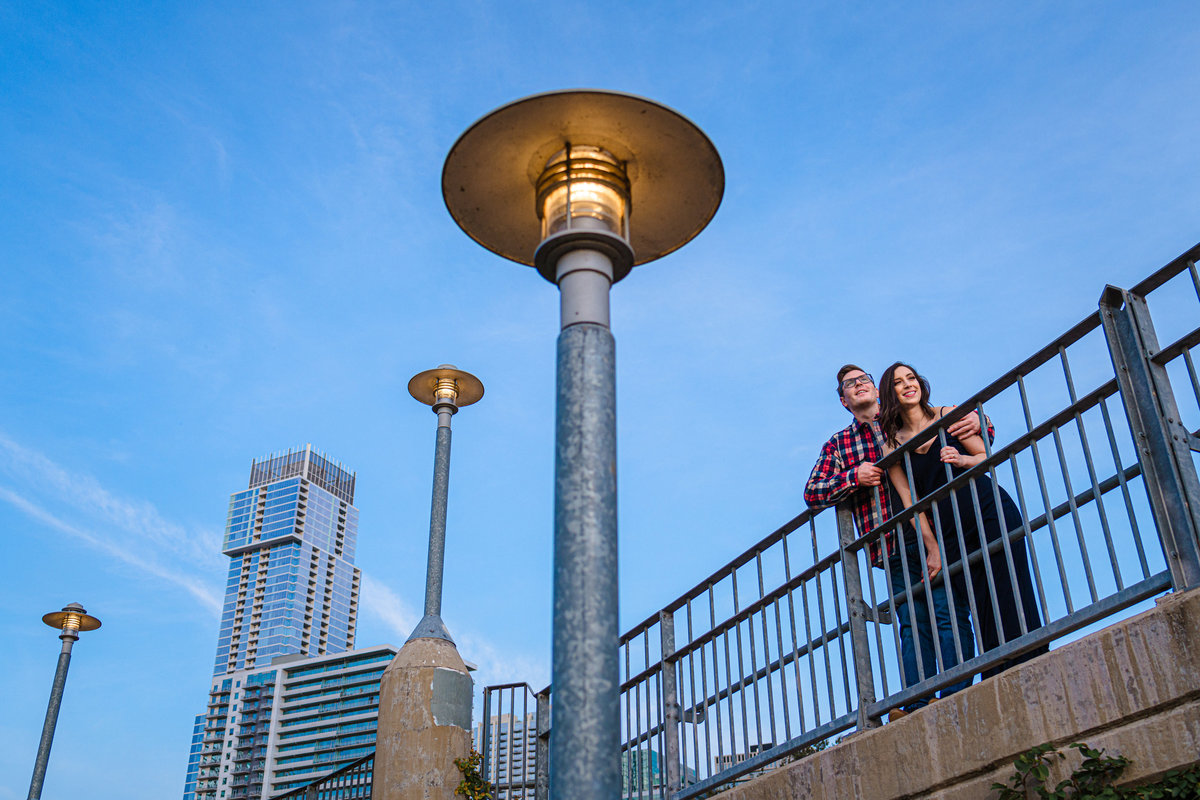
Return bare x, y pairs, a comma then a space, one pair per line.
933, 556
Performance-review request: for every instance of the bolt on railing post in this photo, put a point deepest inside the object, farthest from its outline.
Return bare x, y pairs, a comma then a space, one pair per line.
541, 785
670, 691
1160, 437
857, 609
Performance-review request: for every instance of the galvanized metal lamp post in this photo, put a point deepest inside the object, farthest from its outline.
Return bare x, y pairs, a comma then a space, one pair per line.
71, 620
425, 693
447, 389
554, 181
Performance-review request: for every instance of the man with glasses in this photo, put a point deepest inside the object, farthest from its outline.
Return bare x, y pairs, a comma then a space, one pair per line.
846, 470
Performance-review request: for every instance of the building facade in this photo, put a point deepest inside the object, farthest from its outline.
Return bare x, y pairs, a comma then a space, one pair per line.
292, 586
292, 590
511, 752
275, 728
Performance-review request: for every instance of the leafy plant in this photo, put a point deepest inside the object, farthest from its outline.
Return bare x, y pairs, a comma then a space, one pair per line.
473, 786
1092, 779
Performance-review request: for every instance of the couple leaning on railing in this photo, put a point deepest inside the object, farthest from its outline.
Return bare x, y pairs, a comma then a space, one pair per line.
993, 595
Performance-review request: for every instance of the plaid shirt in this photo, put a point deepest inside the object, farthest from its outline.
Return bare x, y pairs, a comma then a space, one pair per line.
835, 477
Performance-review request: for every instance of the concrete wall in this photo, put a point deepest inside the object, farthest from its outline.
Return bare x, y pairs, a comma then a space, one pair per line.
1132, 689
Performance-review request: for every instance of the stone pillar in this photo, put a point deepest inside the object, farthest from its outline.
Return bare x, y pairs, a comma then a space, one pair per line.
424, 722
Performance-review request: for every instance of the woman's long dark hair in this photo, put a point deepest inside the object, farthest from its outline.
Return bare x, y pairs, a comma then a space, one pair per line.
891, 420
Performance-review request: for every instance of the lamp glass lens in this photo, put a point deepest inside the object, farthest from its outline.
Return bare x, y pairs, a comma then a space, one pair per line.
583, 188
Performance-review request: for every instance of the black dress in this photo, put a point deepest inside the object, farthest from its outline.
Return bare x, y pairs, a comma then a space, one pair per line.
929, 473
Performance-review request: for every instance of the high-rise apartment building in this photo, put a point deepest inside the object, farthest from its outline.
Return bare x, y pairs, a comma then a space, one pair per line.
293, 587
274, 728
292, 590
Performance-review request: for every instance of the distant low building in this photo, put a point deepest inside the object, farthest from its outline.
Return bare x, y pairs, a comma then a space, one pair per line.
724, 762
273, 729
642, 775
511, 752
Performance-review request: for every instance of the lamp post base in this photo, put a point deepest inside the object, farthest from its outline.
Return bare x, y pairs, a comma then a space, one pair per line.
424, 722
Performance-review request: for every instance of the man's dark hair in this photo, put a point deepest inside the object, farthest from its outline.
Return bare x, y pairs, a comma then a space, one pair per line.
842, 374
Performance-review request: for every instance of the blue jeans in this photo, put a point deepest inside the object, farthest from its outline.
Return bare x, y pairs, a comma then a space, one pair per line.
945, 631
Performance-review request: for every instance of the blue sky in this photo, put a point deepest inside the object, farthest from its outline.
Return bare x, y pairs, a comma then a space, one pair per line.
222, 235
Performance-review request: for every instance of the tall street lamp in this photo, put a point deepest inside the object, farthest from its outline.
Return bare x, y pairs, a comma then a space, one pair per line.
425, 693
71, 620
584, 185
447, 389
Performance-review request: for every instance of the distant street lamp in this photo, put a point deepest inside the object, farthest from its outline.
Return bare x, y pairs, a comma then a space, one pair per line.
584, 185
447, 389
71, 620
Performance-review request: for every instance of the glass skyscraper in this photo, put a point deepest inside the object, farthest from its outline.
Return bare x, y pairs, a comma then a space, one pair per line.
293, 587
292, 590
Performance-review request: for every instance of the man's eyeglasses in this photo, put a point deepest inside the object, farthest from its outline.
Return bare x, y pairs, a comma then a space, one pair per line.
850, 383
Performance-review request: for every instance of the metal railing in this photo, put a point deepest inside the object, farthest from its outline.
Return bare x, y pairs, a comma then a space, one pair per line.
351, 782
1085, 506
514, 739
795, 642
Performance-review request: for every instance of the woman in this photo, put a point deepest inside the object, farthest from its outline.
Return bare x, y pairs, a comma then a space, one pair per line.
905, 411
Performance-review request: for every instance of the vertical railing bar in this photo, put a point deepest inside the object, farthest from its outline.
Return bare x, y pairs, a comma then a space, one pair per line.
512, 756
732, 712
525, 740
792, 624
646, 775
487, 734
812, 667
1083, 551
963, 553
754, 655
783, 691
1041, 479
980, 540
782, 673
716, 666
1029, 542
825, 646
910, 609
927, 581
636, 755
986, 554
1125, 493
766, 643
630, 734
1091, 470
692, 689
837, 615
652, 692
939, 536
1195, 278
737, 629
875, 615
668, 702
863, 673
1006, 543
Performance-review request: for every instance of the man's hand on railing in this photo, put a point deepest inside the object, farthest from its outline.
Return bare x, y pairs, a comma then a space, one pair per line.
967, 426
868, 475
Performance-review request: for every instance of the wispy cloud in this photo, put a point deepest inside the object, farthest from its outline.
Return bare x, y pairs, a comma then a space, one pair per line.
133, 532
381, 601
190, 584
496, 663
